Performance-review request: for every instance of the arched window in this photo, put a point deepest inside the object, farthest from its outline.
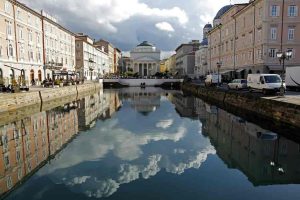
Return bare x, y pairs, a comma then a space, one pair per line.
1, 77
258, 72
250, 71
10, 50
31, 75
12, 75
40, 75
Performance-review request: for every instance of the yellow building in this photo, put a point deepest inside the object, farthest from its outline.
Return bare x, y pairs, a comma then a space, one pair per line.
162, 67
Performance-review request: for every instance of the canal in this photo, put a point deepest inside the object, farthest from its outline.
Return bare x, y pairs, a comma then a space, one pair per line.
144, 144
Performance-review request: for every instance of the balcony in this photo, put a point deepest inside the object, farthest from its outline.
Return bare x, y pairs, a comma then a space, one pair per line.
91, 60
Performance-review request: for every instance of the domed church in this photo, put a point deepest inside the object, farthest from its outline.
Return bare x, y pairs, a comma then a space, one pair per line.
145, 59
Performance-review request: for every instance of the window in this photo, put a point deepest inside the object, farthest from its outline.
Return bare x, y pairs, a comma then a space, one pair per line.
274, 11
291, 34
260, 11
7, 7
9, 182
272, 53
37, 38
293, 11
273, 33
20, 33
6, 161
9, 28
10, 50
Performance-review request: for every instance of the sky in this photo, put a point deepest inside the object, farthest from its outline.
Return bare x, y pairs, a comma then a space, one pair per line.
126, 23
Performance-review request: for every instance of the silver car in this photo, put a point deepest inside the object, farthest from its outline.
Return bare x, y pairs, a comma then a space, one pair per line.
238, 84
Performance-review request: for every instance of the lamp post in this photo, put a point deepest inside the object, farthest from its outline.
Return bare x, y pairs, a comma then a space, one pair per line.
219, 64
282, 56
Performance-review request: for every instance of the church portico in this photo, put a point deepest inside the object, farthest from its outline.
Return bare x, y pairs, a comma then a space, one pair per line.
145, 60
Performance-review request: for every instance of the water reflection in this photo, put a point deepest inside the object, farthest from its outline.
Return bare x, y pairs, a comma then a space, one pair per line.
27, 143
262, 155
132, 135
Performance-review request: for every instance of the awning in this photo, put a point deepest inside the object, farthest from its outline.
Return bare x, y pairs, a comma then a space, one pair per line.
240, 70
64, 73
275, 68
226, 71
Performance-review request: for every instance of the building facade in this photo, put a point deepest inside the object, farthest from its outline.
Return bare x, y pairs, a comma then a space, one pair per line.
33, 46
201, 62
185, 58
21, 59
171, 64
145, 59
246, 37
59, 48
110, 50
90, 60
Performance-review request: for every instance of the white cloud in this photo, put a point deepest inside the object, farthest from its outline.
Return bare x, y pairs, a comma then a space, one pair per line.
108, 13
165, 26
164, 124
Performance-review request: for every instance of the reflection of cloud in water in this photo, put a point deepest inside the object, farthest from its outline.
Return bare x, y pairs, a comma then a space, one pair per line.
102, 188
165, 124
126, 173
194, 162
123, 143
121, 156
78, 180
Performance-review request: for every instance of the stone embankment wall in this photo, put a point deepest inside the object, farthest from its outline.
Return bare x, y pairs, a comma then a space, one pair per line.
276, 111
16, 101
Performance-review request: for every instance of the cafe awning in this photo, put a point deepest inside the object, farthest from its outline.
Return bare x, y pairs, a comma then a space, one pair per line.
64, 73
240, 70
226, 71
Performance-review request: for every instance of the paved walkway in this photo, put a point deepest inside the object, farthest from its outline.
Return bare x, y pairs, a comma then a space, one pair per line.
290, 97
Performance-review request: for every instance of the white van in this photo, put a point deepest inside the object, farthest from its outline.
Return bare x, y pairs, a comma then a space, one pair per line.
265, 82
213, 79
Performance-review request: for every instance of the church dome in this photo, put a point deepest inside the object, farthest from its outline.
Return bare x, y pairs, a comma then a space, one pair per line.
222, 11
208, 26
204, 42
145, 44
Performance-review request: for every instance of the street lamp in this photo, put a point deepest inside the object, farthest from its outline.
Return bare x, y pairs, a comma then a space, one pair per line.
219, 64
282, 56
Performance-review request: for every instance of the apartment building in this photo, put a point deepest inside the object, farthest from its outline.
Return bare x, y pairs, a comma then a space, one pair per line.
21, 58
117, 60
59, 48
171, 64
246, 37
201, 62
91, 61
33, 46
110, 50
185, 58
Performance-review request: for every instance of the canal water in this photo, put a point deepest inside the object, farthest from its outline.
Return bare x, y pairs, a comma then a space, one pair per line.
143, 144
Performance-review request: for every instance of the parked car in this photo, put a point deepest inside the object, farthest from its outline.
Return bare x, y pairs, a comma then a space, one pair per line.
213, 79
292, 78
267, 83
238, 84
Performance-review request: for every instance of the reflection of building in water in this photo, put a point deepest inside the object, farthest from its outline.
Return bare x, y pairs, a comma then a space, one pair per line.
144, 102
27, 144
183, 105
114, 102
93, 107
251, 149
110, 103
